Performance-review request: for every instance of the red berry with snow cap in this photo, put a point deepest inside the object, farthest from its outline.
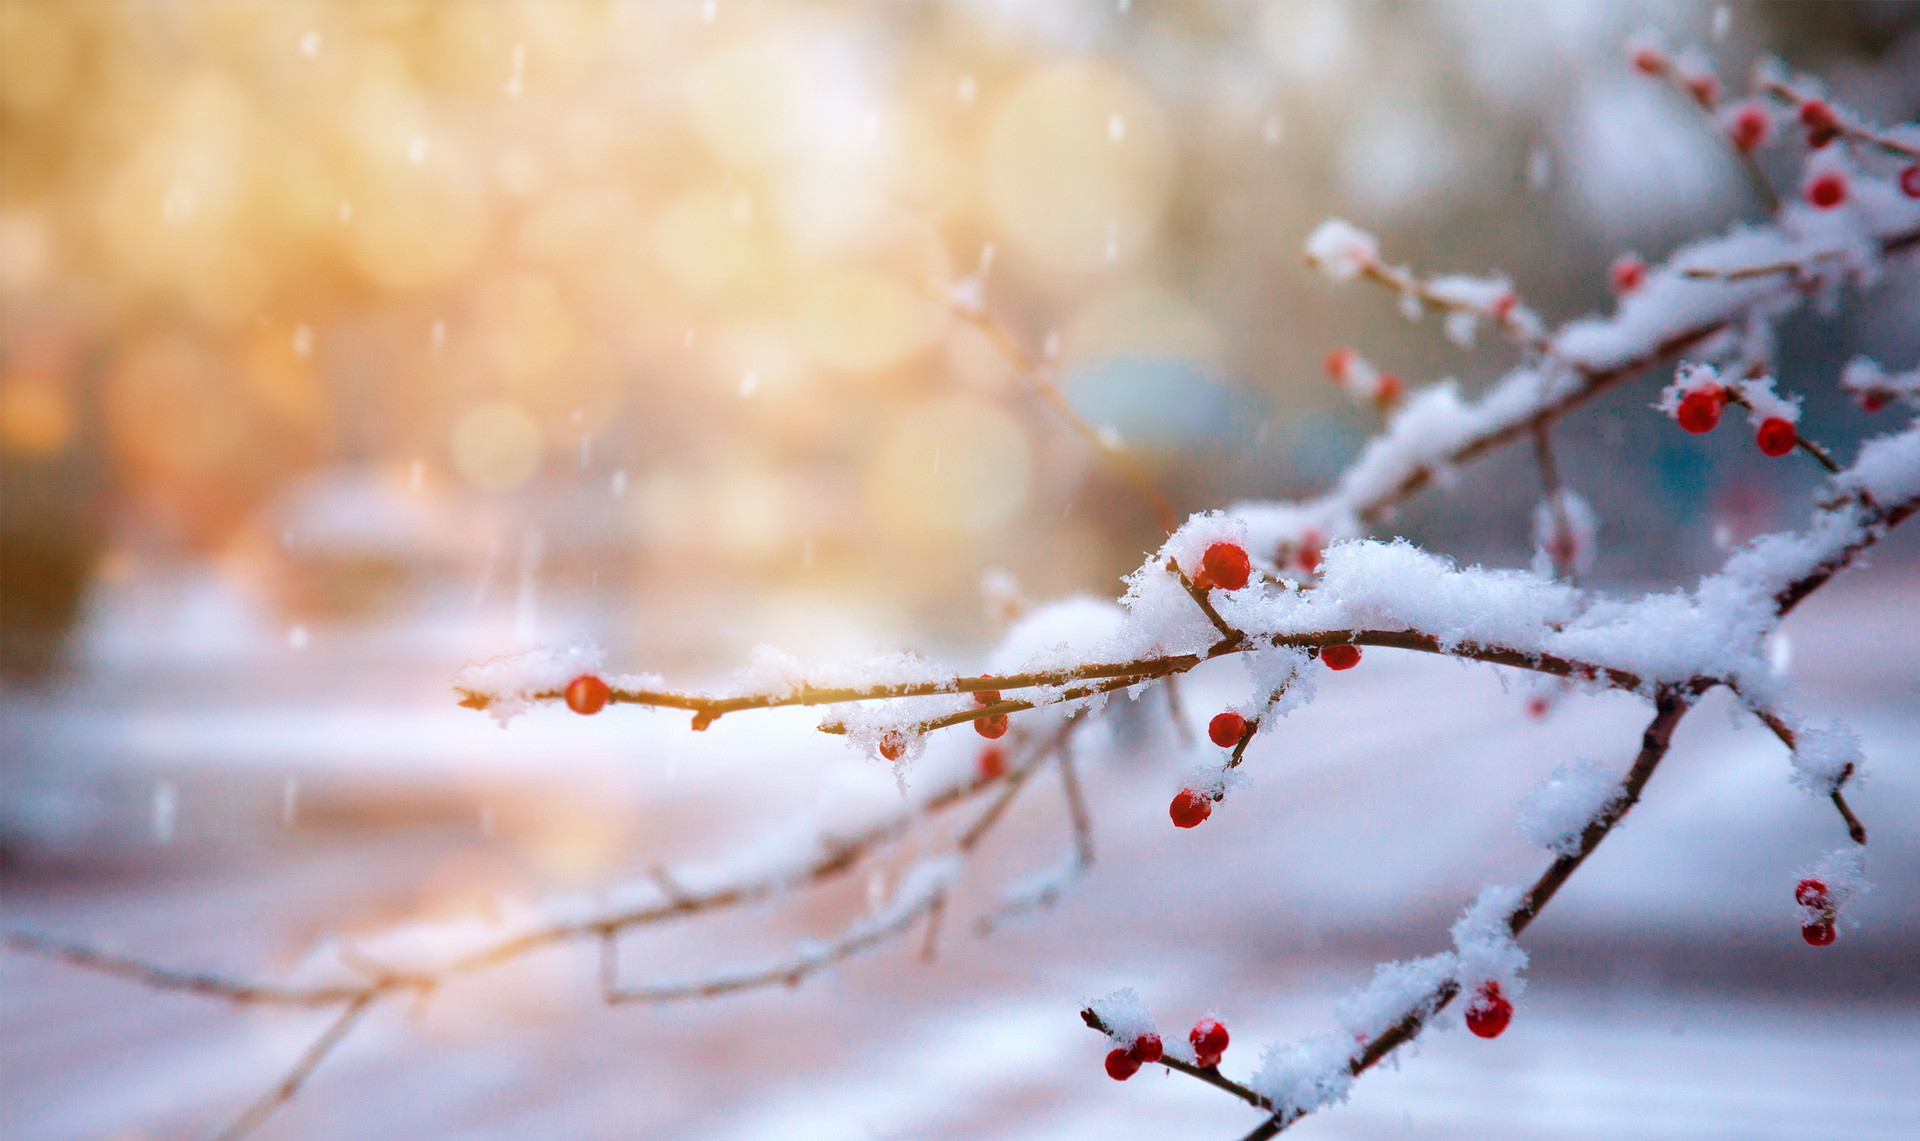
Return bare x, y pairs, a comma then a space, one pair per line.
1776, 436
1146, 1048
1820, 933
1700, 410
1209, 1040
1189, 808
1226, 729
1627, 274
893, 745
1120, 1065
1341, 657
587, 694
1226, 566
1490, 1011
1828, 190
1812, 893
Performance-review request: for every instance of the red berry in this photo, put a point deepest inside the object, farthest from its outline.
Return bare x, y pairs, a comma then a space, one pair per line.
1120, 1065
992, 728
1651, 61
993, 763
1209, 1040
986, 696
1812, 893
1910, 181
1627, 274
1226, 729
1146, 1048
1490, 1012
1705, 88
1537, 707
1827, 191
1504, 305
1341, 657
1337, 363
1309, 559
1387, 393
1776, 436
1700, 410
1749, 126
1822, 126
1818, 934
893, 746
1189, 808
1872, 401
1227, 565
587, 694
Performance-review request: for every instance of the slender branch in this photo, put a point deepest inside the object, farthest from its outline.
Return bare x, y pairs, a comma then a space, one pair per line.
283, 1092
790, 972
1181, 730
1773, 721
1561, 549
1208, 1074
1670, 706
1076, 807
1593, 382
1854, 132
1228, 635
186, 982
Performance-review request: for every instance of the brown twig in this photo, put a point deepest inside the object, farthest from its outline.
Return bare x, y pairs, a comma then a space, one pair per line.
1670, 706
1853, 132
283, 1092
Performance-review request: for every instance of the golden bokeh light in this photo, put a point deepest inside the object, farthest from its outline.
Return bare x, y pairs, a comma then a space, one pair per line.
749, 103
951, 467
861, 322
496, 446
172, 409
1079, 168
36, 417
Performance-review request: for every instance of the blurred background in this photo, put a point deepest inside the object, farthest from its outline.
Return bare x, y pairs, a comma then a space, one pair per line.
342, 344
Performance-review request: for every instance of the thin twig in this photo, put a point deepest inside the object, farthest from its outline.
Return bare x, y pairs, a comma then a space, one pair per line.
1670, 706
1560, 551
282, 1093
1076, 806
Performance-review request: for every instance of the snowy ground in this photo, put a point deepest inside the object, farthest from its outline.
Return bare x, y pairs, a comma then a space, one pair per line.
1670, 995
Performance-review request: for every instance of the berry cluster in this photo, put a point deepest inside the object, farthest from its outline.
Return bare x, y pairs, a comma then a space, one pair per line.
1209, 1040
1699, 412
1124, 1062
1820, 910
1362, 381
